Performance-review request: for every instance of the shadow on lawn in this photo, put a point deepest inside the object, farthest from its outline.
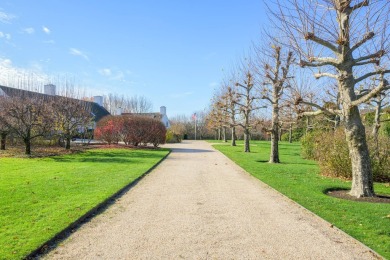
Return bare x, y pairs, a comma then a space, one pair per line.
106, 157
286, 163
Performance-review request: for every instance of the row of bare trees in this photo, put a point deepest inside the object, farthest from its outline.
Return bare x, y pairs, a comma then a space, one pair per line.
344, 44
29, 116
118, 103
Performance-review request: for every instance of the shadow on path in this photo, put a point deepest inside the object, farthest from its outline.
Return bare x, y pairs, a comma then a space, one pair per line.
184, 150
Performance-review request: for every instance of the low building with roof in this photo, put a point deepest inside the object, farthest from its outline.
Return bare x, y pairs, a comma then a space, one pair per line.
97, 109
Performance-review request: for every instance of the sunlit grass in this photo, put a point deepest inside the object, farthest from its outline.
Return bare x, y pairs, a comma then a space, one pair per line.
40, 197
300, 180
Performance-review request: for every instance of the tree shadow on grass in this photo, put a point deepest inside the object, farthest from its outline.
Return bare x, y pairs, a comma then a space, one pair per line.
107, 157
286, 163
342, 193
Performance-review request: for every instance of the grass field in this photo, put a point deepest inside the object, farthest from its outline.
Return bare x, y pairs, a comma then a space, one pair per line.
299, 180
40, 197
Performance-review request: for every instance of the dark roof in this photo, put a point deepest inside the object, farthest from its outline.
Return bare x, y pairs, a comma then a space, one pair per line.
98, 111
152, 115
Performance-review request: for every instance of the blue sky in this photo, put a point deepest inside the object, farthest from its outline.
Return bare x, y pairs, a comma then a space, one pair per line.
172, 52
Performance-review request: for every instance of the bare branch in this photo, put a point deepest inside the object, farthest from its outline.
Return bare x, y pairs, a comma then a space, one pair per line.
325, 43
373, 73
326, 62
376, 55
366, 38
383, 86
361, 4
324, 74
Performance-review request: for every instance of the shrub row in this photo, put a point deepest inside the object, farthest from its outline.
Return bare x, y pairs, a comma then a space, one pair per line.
330, 149
133, 130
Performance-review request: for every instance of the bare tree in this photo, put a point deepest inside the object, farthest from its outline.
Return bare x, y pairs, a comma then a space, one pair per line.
4, 130
138, 104
71, 115
229, 102
276, 80
247, 104
27, 117
346, 40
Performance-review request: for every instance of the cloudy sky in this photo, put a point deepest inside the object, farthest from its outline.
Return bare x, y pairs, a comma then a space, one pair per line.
172, 52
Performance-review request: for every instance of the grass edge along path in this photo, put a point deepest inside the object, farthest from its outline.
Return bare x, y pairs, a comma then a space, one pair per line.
53, 218
299, 180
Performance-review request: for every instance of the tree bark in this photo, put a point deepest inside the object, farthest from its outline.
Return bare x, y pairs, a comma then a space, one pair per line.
274, 156
362, 179
377, 125
246, 141
290, 134
27, 143
219, 134
67, 145
224, 134
233, 136
3, 140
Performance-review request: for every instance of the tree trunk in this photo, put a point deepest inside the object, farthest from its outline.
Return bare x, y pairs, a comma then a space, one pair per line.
3, 140
377, 125
27, 143
274, 156
233, 136
67, 145
290, 134
246, 141
219, 134
224, 134
362, 180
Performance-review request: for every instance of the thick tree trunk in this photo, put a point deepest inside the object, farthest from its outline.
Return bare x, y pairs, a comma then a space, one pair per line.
290, 134
219, 134
233, 136
3, 140
362, 179
274, 156
247, 148
67, 145
224, 134
27, 143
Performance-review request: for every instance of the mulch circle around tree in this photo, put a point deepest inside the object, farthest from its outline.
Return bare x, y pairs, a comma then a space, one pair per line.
343, 194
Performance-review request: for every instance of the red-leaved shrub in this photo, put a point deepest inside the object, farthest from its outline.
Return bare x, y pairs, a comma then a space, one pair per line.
132, 129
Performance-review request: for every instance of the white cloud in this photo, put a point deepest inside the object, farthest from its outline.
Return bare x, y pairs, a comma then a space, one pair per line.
6, 18
105, 72
77, 52
45, 30
29, 30
5, 35
5, 63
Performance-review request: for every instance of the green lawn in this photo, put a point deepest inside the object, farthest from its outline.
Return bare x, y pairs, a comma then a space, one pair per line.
40, 197
299, 180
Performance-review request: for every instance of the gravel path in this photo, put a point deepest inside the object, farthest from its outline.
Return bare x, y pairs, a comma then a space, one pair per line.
197, 204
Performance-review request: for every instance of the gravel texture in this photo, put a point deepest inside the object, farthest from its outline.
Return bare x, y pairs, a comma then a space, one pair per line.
198, 204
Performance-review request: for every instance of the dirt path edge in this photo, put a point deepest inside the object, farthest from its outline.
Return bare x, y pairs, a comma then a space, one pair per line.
52, 243
372, 251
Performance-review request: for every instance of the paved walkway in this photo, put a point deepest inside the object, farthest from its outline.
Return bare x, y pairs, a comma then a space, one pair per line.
198, 205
